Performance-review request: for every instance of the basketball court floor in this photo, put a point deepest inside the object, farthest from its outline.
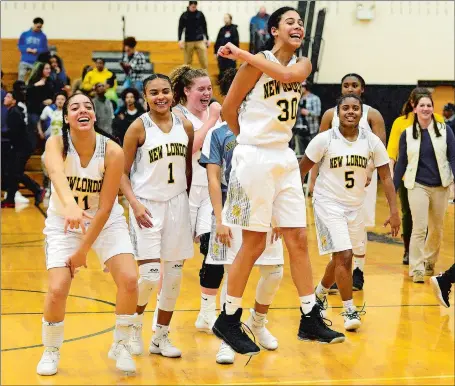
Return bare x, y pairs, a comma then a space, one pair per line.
405, 338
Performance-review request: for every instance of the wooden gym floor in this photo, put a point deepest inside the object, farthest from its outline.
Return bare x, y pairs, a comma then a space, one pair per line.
405, 338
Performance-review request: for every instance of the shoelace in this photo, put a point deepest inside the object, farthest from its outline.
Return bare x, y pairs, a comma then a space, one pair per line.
323, 304
50, 356
239, 331
355, 314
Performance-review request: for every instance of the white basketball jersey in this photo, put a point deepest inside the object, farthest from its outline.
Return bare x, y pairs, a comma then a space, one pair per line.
199, 173
85, 183
363, 120
159, 169
343, 165
268, 113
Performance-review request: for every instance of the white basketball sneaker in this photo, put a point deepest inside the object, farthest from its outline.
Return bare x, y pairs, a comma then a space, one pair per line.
352, 319
136, 343
225, 355
205, 321
48, 365
121, 353
263, 336
164, 347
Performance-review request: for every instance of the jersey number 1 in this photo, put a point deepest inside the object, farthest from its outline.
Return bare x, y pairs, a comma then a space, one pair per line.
84, 200
171, 175
283, 104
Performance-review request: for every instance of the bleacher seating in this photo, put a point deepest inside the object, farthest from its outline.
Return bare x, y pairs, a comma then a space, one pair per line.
112, 61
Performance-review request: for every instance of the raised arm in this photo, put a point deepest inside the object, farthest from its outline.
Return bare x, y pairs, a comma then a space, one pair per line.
134, 138
188, 126
199, 135
243, 83
298, 72
53, 159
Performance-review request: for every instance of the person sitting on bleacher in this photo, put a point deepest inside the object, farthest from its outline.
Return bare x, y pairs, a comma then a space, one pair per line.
133, 64
99, 74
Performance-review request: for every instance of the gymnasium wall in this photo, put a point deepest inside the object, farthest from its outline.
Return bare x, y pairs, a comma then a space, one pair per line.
405, 42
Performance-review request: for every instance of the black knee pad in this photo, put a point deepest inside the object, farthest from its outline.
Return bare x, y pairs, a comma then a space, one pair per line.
211, 276
204, 246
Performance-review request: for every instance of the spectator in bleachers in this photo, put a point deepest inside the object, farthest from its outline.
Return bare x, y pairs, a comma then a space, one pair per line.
40, 93
227, 34
128, 113
6, 146
58, 74
449, 115
52, 117
111, 92
133, 64
31, 43
77, 84
196, 36
258, 30
103, 108
100, 74
22, 140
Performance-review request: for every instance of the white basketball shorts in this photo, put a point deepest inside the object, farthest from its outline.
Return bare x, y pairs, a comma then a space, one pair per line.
112, 241
265, 188
339, 228
221, 254
200, 210
170, 237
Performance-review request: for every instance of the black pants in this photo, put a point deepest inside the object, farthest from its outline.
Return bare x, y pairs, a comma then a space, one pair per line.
19, 157
6, 158
406, 216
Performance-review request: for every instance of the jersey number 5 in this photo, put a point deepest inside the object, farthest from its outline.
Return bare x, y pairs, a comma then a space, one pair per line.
283, 104
171, 174
84, 201
348, 177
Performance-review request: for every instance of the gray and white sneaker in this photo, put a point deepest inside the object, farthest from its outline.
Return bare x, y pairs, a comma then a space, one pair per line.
48, 365
121, 353
225, 355
418, 277
164, 347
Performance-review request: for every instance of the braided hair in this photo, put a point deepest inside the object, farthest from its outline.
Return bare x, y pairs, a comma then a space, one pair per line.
182, 77
415, 130
149, 79
66, 126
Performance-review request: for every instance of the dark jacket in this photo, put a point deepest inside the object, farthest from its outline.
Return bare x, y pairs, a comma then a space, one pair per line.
120, 126
227, 34
17, 128
194, 25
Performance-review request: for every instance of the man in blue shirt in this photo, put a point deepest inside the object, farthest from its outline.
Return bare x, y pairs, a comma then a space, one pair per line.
31, 43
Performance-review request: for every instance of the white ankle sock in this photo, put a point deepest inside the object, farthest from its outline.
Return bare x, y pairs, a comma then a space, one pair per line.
208, 303
161, 330
123, 325
232, 304
348, 304
359, 263
307, 303
52, 334
320, 289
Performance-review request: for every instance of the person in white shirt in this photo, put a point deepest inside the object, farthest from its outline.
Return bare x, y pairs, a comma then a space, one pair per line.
344, 153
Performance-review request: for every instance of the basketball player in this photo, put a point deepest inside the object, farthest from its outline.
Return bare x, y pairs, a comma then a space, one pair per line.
371, 120
344, 154
157, 148
225, 242
85, 170
264, 184
192, 94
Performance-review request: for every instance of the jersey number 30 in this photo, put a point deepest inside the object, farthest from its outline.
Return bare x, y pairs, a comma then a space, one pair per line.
283, 104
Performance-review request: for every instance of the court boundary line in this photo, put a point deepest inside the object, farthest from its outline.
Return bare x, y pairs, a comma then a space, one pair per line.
329, 381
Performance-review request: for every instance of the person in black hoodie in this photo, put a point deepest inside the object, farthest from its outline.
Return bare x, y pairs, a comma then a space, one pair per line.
228, 34
196, 35
21, 139
127, 114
